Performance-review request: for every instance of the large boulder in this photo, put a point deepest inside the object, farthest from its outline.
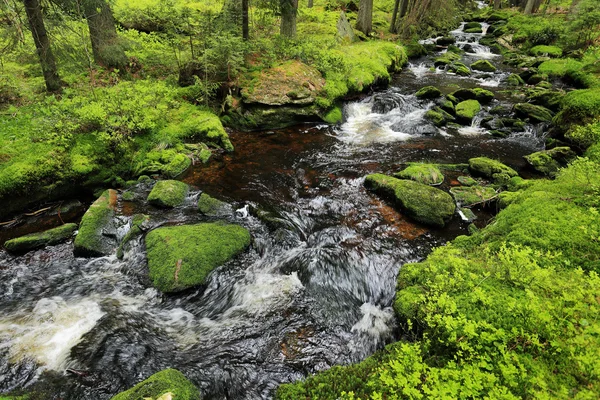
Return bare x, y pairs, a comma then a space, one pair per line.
483, 65
487, 167
428, 174
533, 113
41, 239
467, 110
180, 257
168, 194
168, 384
344, 29
548, 162
423, 203
428, 92
93, 239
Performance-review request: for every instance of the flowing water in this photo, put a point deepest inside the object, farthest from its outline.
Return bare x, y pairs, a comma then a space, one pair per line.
314, 291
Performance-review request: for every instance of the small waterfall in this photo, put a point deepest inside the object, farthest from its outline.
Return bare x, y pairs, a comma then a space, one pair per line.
475, 129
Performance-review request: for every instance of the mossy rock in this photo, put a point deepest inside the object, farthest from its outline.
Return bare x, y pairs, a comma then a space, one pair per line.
160, 384
467, 196
447, 106
548, 162
139, 224
333, 116
459, 69
507, 198
547, 98
90, 240
168, 194
181, 257
435, 117
179, 164
483, 65
415, 50
474, 30
428, 174
481, 95
579, 107
446, 59
38, 240
515, 80
466, 111
210, 206
467, 214
428, 92
537, 78
533, 113
487, 167
423, 203
467, 181
549, 51
445, 41
472, 24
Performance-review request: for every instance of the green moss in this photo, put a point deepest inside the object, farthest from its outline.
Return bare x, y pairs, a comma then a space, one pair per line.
168, 194
428, 174
180, 257
548, 162
586, 135
446, 59
459, 69
543, 50
487, 167
39, 240
467, 181
90, 242
481, 95
159, 384
177, 166
428, 92
137, 228
448, 106
208, 205
515, 80
466, 110
579, 107
483, 65
533, 113
435, 117
593, 153
472, 24
468, 196
473, 30
333, 116
128, 196
421, 202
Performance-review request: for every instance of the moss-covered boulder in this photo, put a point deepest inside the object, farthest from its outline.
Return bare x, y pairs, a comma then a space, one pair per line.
467, 181
533, 113
447, 106
579, 107
160, 385
459, 69
466, 111
481, 95
487, 167
139, 225
472, 24
514, 80
428, 174
470, 195
423, 203
168, 194
548, 162
549, 99
428, 92
438, 117
38, 240
548, 51
483, 65
91, 240
445, 41
180, 257
210, 206
446, 59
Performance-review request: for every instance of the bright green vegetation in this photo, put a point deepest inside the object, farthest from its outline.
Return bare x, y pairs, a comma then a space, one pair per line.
543, 50
163, 382
446, 59
428, 92
515, 80
533, 112
137, 229
168, 194
466, 110
579, 107
487, 167
483, 65
467, 181
90, 242
585, 135
509, 312
180, 257
38, 240
471, 195
423, 203
333, 116
438, 116
428, 174
210, 206
481, 95
548, 162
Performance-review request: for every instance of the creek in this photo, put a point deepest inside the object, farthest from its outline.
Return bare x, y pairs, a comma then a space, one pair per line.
314, 291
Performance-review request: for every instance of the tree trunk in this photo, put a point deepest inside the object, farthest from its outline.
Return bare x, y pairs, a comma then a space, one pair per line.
107, 50
394, 16
310, 3
497, 4
245, 21
403, 8
529, 7
289, 9
364, 21
42, 44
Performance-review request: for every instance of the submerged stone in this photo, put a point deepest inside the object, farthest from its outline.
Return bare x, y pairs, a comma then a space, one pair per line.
180, 257
487, 167
168, 194
423, 203
41, 239
160, 385
428, 174
91, 240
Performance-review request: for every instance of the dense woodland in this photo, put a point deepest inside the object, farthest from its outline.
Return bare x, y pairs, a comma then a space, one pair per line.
97, 93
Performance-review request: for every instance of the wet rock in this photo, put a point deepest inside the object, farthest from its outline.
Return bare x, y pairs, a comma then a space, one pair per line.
515, 80
199, 151
469, 48
210, 206
446, 59
92, 239
385, 102
533, 113
447, 106
428, 92
481, 95
423, 203
548, 162
547, 98
438, 117
487, 167
466, 111
474, 30
164, 385
467, 181
445, 41
168, 194
471, 195
459, 69
428, 174
537, 78
483, 65
467, 214
344, 29
180, 257
34, 241
472, 25
139, 225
